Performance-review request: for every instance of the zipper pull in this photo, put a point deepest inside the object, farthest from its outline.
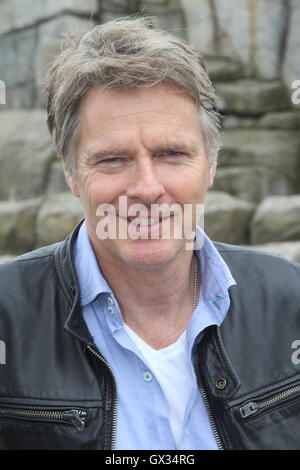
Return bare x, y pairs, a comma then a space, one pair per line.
77, 418
249, 409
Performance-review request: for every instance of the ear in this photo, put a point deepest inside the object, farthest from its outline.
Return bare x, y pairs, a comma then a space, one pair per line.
71, 182
211, 174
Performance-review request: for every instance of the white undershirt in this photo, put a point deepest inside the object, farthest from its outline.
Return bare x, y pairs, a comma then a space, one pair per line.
173, 370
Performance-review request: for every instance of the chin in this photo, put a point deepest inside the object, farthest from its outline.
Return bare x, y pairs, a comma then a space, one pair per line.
149, 253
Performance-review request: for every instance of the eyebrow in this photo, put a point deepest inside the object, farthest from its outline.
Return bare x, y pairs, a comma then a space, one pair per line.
105, 152
125, 151
188, 147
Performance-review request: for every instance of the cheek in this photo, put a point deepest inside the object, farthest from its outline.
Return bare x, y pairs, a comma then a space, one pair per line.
97, 189
190, 186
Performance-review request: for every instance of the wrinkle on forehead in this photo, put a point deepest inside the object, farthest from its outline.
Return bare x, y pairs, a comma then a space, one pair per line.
116, 99
117, 118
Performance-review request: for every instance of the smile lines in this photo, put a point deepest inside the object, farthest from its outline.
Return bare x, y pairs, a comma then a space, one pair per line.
159, 221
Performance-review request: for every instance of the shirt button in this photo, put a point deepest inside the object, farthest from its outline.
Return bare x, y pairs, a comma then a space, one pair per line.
147, 376
110, 301
110, 310
221, 383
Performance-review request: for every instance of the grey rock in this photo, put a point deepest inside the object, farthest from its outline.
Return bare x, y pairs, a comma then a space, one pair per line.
281, 120
21, 96
276, 219
27, 53
273, 150
227, 218
159, 8
223, 68
109, 16
17, 51
199, 25
252, 97
171, 21
291, 65
17, 229
165, 15
26, 155
289, 250
50, 35
252, 183
253, 32
56, 179
23, 13
234, 29
238, 122
57, 217
270, 24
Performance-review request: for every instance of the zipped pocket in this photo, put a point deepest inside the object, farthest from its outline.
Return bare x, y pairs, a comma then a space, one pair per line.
255, 407
72, 417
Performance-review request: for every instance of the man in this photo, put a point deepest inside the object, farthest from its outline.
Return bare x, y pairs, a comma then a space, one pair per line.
122, 337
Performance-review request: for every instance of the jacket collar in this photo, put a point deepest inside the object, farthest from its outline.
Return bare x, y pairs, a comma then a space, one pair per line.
65, 268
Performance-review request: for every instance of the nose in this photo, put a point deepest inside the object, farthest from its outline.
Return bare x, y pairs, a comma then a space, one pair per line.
145, 186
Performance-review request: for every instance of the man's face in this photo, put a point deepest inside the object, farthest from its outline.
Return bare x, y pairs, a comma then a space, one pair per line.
147, 146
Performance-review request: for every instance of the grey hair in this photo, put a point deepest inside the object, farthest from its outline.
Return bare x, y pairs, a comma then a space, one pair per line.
125, 53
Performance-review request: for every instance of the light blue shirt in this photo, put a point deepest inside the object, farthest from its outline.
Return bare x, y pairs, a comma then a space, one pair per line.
142, 421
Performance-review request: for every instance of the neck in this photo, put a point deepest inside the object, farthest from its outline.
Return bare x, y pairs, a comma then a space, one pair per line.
156, 303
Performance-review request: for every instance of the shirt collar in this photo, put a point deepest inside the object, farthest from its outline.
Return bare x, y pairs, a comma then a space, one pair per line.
91, 280
216, 279
213, 266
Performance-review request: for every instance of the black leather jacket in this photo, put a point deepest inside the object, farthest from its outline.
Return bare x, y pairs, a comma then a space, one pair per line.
58, 392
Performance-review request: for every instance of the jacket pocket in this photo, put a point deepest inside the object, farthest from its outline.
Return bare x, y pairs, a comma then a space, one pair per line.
74, 417
268, 419
39, 425
253, 408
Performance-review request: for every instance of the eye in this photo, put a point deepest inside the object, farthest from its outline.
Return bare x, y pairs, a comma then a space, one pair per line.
172, 153
112, 164
110, 160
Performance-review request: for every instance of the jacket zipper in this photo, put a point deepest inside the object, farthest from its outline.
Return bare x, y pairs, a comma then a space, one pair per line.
115, 398
208, 408
75, 417
253, 407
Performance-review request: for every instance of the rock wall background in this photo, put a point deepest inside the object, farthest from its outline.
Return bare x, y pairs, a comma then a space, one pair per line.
252, 50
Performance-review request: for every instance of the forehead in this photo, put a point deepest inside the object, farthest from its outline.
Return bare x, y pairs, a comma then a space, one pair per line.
160, 110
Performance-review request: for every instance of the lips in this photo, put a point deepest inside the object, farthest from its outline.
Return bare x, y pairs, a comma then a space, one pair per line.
144, 221
147, 220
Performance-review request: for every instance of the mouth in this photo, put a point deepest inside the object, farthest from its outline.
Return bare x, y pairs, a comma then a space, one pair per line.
144, 221
146, 224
